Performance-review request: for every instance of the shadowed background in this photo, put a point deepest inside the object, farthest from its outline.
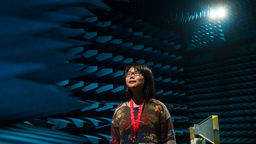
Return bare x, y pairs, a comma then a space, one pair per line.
62, 62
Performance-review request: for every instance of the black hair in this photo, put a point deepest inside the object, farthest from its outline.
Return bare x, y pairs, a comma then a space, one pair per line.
149, 83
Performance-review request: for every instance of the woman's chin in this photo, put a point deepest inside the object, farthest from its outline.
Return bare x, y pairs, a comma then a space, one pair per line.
134, 86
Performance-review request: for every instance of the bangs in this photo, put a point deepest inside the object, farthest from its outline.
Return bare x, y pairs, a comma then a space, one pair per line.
138, 67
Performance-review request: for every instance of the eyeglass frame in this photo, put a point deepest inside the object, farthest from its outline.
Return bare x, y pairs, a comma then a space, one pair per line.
136, 73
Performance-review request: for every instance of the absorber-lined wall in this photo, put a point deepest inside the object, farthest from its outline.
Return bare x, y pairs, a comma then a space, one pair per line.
224, 84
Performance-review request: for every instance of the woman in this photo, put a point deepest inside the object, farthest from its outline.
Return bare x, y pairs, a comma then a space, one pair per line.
141, 119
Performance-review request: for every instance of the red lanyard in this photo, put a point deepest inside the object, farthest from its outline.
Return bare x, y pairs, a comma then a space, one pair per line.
136, 126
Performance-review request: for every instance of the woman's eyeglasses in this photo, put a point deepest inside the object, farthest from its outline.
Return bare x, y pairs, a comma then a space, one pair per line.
136, 73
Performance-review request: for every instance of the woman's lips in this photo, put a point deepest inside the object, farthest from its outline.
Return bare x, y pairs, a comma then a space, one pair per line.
132, 82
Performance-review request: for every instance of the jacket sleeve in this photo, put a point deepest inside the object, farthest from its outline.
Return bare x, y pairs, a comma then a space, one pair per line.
115, 134
167, 128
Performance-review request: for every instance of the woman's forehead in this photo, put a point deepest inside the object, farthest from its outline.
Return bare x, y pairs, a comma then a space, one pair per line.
132, 69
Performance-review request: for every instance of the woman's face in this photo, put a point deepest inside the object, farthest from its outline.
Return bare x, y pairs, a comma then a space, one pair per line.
134, 79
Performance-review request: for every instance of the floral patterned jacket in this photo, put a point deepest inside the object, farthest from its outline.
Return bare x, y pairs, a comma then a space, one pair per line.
155, 125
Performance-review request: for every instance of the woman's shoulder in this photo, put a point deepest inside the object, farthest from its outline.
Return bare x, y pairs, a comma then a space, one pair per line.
159, 106
122, 105
157, 102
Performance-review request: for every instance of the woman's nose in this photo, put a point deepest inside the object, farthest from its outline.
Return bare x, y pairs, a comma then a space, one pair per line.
132, 77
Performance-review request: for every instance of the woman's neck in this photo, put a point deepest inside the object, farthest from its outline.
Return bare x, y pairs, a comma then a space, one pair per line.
138, 96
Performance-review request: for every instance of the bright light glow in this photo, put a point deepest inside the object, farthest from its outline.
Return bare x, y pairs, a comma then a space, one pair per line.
213, 14
222, 13
218, 13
